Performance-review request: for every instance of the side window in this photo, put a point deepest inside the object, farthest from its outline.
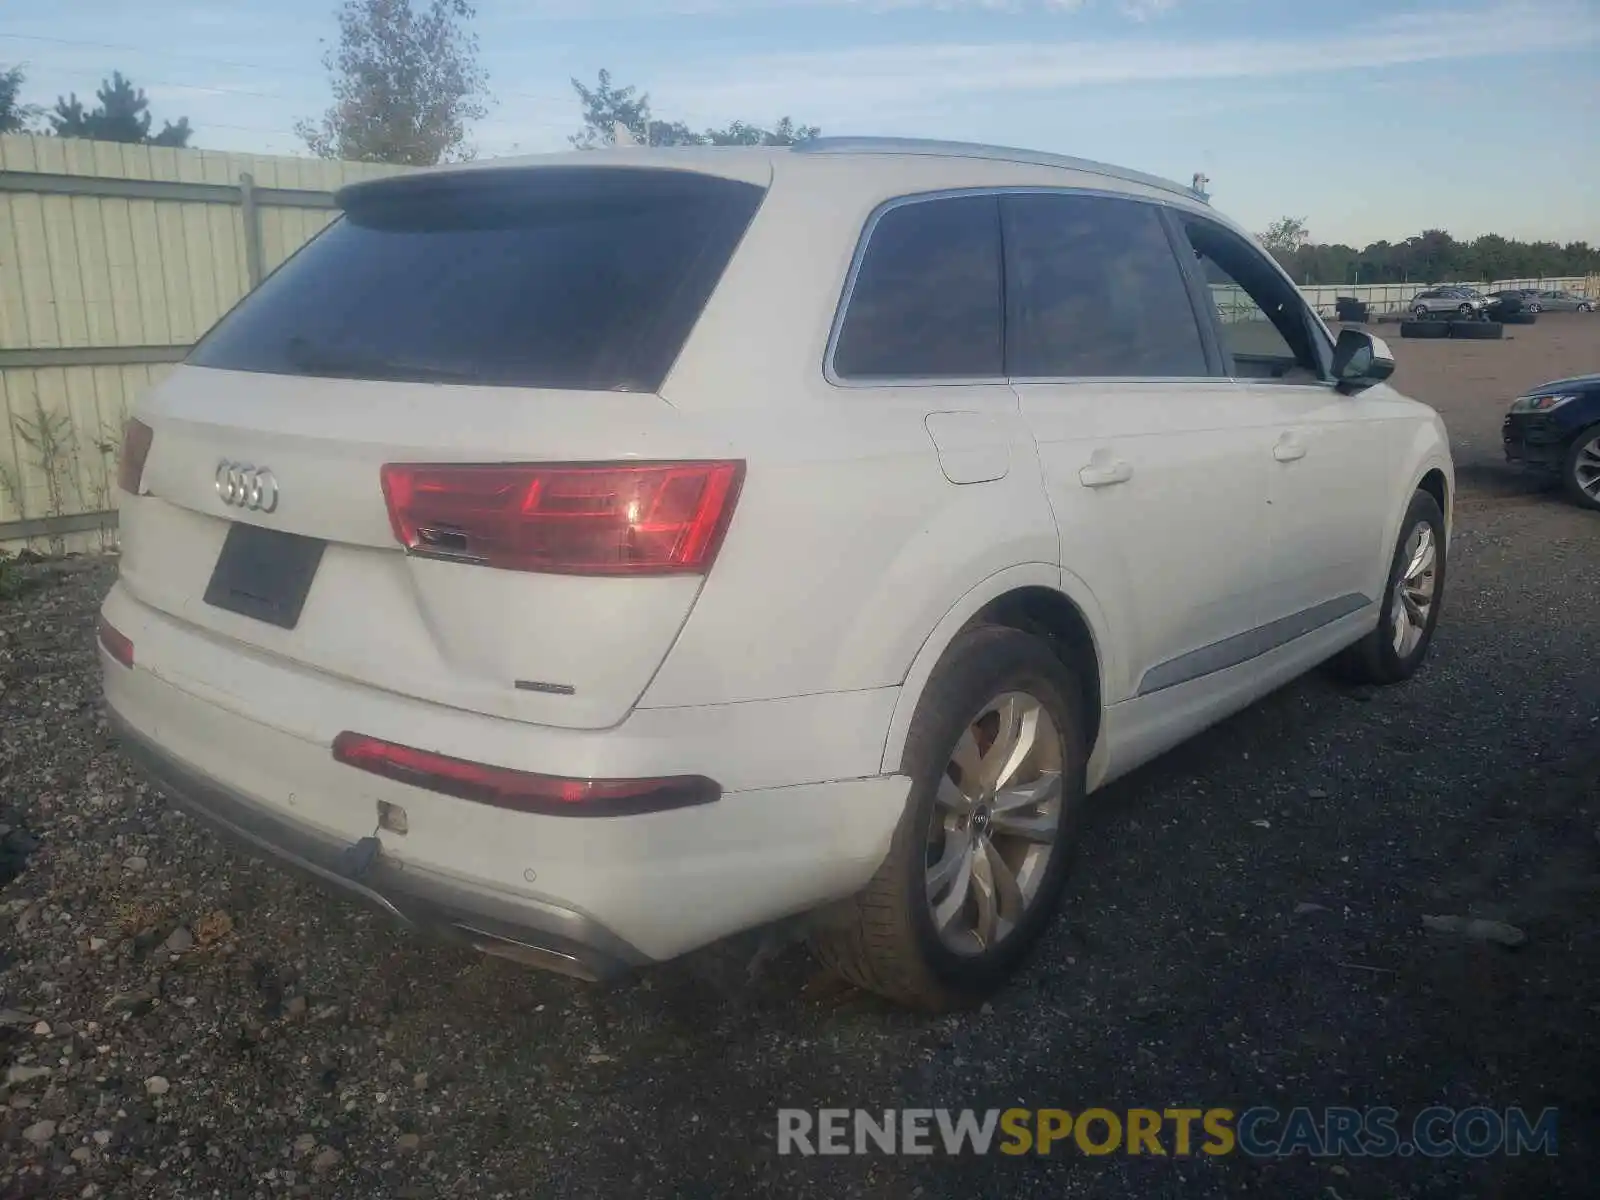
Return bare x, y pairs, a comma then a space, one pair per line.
1261, 318
926, 301
1094, 289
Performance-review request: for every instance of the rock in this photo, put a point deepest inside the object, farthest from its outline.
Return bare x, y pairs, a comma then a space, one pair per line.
407, 1143
97, 944
134, 1002
16, 1076
13, 1016
179, 941
326, 1160
327, 1012
136, 862
1262, 823
1477, 929
42, 1029
102, 1137
295, 1006
419, 1080
1306, 906
213, 927
1317, 794
40, 1132
82, 1154
305, 1144
157, 1085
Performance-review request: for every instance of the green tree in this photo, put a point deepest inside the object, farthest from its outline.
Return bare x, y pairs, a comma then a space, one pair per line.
607, 108
121, 116
1284, 237
406, 84
15, 116
784, 133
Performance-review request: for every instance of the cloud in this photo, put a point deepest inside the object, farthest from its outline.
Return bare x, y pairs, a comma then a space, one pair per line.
612, 9
845, 86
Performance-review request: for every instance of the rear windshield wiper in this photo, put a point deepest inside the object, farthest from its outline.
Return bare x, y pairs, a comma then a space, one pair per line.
313, 359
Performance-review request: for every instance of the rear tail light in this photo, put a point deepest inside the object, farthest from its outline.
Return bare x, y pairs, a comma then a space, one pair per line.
136, 439
118, 645
602, 519
520, 790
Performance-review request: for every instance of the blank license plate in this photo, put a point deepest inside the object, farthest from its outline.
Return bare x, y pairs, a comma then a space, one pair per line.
265, 574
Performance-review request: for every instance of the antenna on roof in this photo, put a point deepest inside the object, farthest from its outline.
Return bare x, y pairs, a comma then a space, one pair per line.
1199, 185
621, 135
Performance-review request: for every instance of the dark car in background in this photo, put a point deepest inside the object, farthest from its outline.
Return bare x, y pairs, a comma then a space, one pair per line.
1555, 428
1505, 303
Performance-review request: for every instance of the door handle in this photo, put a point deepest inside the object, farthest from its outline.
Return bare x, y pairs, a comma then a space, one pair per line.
1289, 448
1100, 473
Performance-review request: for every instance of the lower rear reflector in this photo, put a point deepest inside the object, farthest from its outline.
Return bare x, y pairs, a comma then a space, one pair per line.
118, 645
521, 791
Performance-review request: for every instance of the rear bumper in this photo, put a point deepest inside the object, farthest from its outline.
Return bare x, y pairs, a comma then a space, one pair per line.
544, 935
245, 741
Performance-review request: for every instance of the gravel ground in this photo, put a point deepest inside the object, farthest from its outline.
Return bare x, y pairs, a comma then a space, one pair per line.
176, 1021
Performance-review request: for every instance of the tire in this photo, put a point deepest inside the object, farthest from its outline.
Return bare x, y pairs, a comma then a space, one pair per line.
885, 938
1479, 331
1376, 658
1536, 309
1465, 311
1424, 329
1420, 313
1520, 318
1580, 472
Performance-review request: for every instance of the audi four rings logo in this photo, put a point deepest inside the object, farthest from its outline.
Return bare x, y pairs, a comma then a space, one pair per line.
244, 486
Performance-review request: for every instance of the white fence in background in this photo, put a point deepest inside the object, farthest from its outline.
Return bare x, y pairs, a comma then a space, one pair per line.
1396, 297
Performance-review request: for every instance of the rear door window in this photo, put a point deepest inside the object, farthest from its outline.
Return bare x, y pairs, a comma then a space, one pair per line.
579, 278
1093, 289
926, 298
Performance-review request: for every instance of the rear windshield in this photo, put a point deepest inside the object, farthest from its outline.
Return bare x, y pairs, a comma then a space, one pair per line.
583, 278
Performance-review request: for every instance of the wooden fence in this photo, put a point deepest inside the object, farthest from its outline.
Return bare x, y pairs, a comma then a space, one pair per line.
114, 259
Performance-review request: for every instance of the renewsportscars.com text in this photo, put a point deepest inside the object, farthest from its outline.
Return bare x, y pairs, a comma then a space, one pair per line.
1258, 1132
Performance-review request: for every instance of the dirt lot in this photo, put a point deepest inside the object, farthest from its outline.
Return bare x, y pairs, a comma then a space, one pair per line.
296, 1046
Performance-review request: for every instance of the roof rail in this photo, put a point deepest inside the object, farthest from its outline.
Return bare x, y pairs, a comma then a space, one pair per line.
940, 149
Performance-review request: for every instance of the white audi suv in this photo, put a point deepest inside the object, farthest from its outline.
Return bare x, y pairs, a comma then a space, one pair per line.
593, 556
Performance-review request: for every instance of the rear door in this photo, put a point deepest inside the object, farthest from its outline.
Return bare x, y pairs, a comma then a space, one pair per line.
428, 453
1156, 466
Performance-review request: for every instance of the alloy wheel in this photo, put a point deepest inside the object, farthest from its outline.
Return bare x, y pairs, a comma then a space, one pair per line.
1586, 469
1415, 589
995, 820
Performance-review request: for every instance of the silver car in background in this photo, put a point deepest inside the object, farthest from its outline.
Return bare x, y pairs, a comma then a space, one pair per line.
1436, 301
1557, 301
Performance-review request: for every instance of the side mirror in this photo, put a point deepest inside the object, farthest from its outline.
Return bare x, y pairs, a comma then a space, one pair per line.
1360, 360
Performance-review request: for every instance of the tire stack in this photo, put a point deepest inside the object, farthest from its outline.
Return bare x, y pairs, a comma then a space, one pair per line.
1424, 329
1349, 309
1461, 328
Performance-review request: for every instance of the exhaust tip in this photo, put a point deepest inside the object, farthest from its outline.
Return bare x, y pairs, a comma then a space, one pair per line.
540, 957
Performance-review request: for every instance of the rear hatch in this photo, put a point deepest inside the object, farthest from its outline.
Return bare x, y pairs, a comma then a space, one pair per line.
429, 452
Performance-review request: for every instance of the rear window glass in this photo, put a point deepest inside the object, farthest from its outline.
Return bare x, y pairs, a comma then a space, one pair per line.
577, 278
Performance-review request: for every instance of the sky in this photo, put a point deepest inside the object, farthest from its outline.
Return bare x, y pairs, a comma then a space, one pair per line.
1369, 118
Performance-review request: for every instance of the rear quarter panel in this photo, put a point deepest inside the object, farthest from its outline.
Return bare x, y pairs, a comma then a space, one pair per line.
849, 545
